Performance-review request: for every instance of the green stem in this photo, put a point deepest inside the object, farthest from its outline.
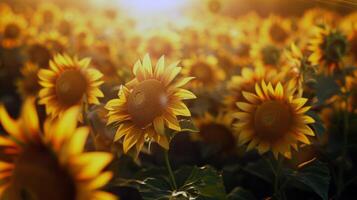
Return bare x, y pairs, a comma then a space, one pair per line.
86, 122
168, 165
278, 194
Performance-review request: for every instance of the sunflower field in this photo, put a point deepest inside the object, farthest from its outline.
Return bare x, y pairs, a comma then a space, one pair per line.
178, 99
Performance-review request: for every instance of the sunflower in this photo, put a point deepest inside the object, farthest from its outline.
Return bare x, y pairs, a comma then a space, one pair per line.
241, 53
317, 16
276, 30
296, 65
28, 85
273, 119
214, 6
41, 47
68, 82
246, 82
146, 104
161, 43
206, 71
12, 29
216, 130
46, 16
266, 55
49, 164
328, 47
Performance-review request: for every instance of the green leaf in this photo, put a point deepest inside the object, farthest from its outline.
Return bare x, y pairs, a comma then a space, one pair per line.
199, 183
186, 125
261, 169
239, 193
314, 176
204, 183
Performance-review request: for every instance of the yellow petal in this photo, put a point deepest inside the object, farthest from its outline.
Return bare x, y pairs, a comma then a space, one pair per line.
78, 140
184, 94
91, 164
159, 125
11, 126
245, 106
252, 98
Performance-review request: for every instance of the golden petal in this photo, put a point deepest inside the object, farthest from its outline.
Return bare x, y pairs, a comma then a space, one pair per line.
159, 125
91, 164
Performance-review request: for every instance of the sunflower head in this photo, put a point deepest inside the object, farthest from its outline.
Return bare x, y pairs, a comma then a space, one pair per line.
148, 104
39, 54
214, 6
206, 71
266, 55
273, 119
12, 28
276, 30
328, 48
161, 43
216, 131
68, 82
246, 82
28, 85
49, 164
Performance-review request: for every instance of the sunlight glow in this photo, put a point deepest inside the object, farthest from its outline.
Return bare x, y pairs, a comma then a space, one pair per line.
154, 12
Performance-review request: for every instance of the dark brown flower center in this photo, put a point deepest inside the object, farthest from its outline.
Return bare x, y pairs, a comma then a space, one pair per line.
31, 85
334, 47
202, 71
271, 55
218, 135
71, 85
12, 31
277, 33
272, 120
243, 50
39, 175
39, 54
147, 101
159, 46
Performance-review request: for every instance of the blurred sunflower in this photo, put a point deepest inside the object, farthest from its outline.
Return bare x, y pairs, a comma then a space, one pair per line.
206, 71
273, 119
28, 85
246, 82
146, 104
296, 64
317, 17
84, 38
49, 165
214, 6
328, 48
165, 43
276, 30
217, 131
242, 47
68, 82
266, 55
46, 16
42, 46
12, 29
